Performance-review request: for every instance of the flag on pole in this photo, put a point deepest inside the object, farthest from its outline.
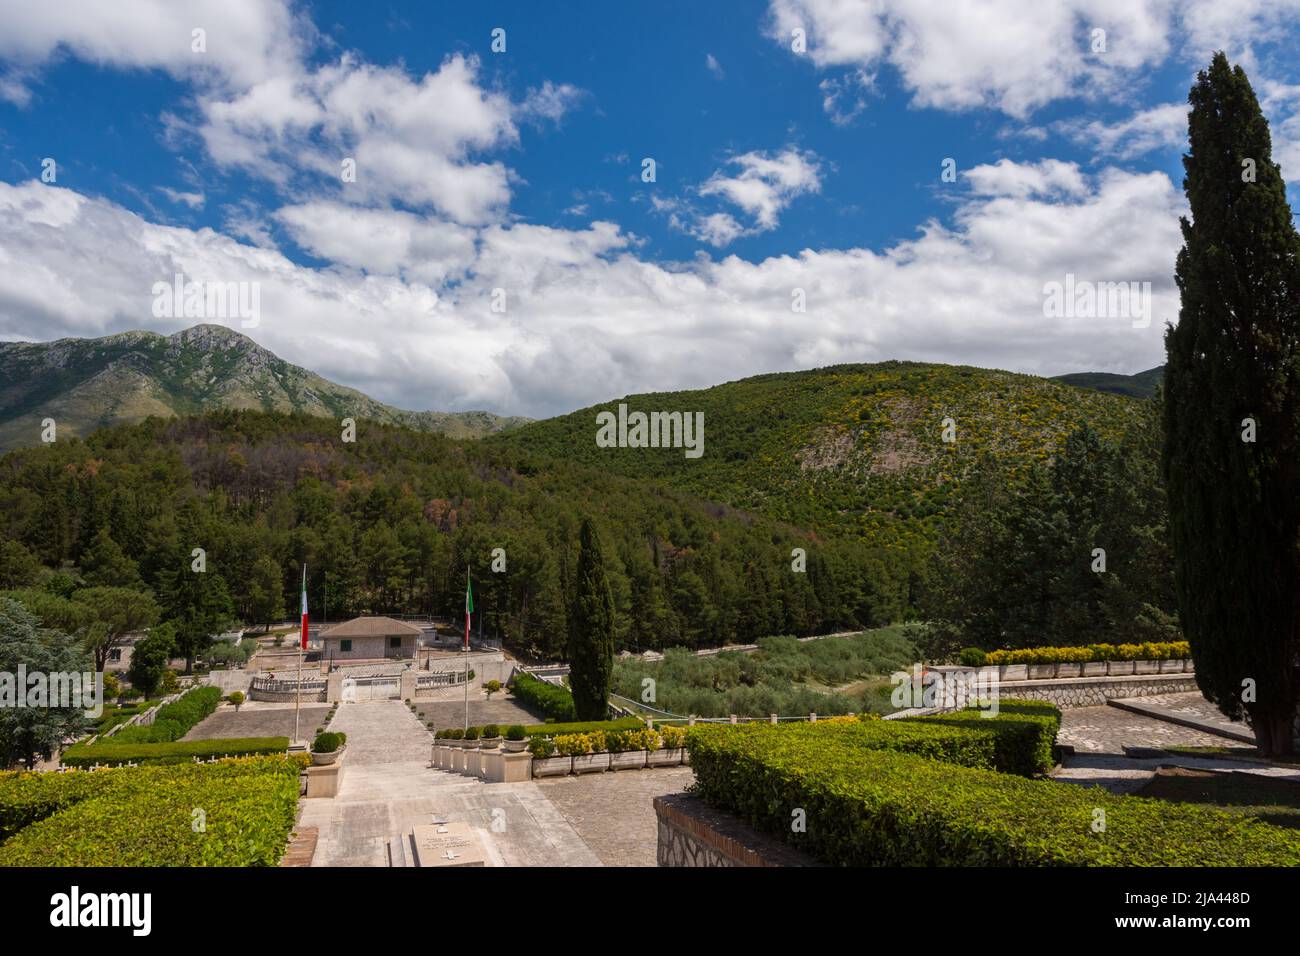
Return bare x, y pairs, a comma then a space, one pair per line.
469, 607
304, 607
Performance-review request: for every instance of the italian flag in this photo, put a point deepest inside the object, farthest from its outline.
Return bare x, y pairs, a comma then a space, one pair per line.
304, 607
469, 607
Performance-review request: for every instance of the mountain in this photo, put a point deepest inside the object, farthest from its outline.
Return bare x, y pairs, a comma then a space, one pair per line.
1141, 385
854, 449
84, 384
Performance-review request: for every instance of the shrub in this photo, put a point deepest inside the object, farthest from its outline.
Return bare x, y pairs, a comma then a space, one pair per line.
471, 733
582, 727
516, 732
576, 745
1024, 733
541, 747
110, 753
971, 657
672, 736
1173, 650
552, 700
490, 732
142, 816
456, 733
236, 698
877, 808
328, 742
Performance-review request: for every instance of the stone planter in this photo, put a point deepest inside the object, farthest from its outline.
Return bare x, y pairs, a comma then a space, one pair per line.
1119, 668
324, 760
1146, 667
590, 763
552, 766
1072, 669
491, 743
1172, 667
989, 673
1013, 672
628, 760
1042, 671
667, 757
1094, 669
514, 746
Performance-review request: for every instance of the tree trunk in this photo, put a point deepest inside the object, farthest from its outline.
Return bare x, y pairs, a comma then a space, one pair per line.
1274, 735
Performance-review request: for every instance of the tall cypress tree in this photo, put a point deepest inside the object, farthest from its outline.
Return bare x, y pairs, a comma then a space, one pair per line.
591, 630
1234, 365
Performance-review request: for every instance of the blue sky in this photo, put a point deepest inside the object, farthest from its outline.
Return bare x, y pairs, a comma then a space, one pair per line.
520, 172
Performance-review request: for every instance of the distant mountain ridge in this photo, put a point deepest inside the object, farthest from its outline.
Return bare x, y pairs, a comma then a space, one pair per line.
1138, 385
85, 384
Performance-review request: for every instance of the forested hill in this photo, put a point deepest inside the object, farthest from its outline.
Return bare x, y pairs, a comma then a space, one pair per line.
856, 449
394, 518
84, 384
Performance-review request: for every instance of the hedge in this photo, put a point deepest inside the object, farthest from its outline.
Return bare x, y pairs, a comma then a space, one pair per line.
1024, 733
112, 754
145, 816
173, 721
585, 727
879, 808
552, 700
1152, 651
26, 798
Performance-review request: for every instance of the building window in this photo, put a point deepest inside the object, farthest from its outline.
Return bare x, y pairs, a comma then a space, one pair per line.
394, 642
115, 655
345, 645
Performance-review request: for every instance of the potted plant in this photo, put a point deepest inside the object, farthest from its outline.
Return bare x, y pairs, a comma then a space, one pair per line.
672, 747
546, 761
327, 748
588, 751
628, 748
516, 739
490, 737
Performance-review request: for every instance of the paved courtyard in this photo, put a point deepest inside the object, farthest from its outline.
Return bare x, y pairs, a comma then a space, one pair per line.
388, 788
258, 719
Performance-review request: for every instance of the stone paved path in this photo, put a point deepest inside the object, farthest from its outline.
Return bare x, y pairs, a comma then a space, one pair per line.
614, 812
1189, 710
389, 788
1100, 734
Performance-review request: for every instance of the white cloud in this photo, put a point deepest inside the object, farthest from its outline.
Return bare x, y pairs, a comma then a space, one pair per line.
550, 101
247, 41
714, 67
1161, 127
760, 184
845, 97
1045, 179
587, 318
1018, 55
191, 199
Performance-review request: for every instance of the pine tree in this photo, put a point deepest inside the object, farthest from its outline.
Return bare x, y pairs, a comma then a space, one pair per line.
591, 630
1234, 365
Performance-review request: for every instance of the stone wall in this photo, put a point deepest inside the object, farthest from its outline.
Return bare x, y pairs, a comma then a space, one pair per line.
1095, 691
691, 833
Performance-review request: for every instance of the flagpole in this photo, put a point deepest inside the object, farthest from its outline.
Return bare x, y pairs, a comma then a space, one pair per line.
297, 694
467, 613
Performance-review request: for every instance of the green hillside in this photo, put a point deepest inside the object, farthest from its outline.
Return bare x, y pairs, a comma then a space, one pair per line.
85, 384
848, 449
1139, 385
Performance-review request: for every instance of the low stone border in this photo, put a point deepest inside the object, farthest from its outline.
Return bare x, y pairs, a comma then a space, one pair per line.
693, 834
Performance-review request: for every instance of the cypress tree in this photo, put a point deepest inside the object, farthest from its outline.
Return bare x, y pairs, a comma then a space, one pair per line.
591, 630
1234, 366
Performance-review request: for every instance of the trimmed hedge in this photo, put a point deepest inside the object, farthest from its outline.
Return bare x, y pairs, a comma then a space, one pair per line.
1151, 651
1024, 733
552, 700
26, 798
145, 816
587, 727
114, 754
877, 808
173, 721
